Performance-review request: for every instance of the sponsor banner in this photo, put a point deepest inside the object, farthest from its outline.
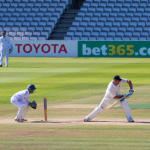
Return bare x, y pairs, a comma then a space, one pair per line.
114, 48
44, 49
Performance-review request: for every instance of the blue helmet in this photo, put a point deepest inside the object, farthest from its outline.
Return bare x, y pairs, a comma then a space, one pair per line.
31, 87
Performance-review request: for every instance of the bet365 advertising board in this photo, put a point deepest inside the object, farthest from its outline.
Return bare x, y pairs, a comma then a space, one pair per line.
114, 48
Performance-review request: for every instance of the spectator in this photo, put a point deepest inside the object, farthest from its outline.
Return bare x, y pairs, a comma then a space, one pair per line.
5, 47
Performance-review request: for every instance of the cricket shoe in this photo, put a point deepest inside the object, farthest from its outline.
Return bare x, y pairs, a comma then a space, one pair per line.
131, 121
19, 120
86, 120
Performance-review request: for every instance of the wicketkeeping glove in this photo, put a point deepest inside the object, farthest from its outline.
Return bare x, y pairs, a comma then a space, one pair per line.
33, 104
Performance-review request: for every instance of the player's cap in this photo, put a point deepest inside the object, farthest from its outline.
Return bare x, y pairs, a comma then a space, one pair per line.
117, 77
31, 87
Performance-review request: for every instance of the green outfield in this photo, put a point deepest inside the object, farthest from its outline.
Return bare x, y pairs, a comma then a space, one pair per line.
73, 87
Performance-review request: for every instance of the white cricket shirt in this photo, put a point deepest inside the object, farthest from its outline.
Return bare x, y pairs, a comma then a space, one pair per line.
5, 43
21, 96
113, 90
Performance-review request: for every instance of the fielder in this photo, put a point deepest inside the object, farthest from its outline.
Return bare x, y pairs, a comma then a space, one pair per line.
21, 100
112, 97
5, 48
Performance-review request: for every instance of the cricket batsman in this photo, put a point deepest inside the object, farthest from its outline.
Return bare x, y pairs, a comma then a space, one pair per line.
5, 48
21, 100
112, 97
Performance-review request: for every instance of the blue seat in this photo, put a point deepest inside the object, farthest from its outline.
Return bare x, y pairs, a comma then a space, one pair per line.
20, 34
87, 29
130, 29
119, 34
81, 29
20, 19
70, 33
116, 24
29, 5
28, 33
145, 34
21, 5
8, 29
34, 24
100, 24
41, 38
42, 24
23, 29
18, 10
7, 1
24, 38
12, 34
91, 24
78, 34
38, 28
106, 29
10, 24
50, 24
84, 38
43, 10
108, 24
95, 34
36, 34
78, 18
3, 10
88, 34
15, 29
133, 24
128, 34
125, 24
141, 24
103, 34
67, 38
18, 24
138, 29
26, 24
36, 19
17, 38
115, 29
29, 19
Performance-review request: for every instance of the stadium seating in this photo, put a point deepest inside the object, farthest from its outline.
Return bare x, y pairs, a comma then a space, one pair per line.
112, 20
30, 19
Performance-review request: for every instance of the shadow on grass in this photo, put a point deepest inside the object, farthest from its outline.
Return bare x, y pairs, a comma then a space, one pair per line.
143, 122
108, 121
54, 122
137, 122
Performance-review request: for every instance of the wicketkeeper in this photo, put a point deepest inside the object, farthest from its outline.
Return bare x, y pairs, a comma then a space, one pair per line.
21, 100
112, 97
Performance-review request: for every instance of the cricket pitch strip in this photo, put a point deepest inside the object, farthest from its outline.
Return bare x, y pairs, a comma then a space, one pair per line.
79, 121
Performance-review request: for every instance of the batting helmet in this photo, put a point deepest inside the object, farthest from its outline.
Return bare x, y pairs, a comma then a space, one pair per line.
31, 87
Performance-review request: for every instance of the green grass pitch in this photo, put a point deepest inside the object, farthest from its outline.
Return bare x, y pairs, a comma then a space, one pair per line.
73, 87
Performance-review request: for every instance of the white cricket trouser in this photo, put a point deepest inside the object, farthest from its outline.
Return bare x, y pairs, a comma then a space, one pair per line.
3, 54
22, 108
108, 103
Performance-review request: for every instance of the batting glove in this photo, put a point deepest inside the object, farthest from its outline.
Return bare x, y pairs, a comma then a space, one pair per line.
131, 91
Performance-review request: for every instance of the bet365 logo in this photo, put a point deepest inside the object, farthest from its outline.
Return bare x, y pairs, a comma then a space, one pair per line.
113, 49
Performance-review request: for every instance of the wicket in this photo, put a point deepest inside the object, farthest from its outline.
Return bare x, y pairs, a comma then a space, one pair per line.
45, 108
